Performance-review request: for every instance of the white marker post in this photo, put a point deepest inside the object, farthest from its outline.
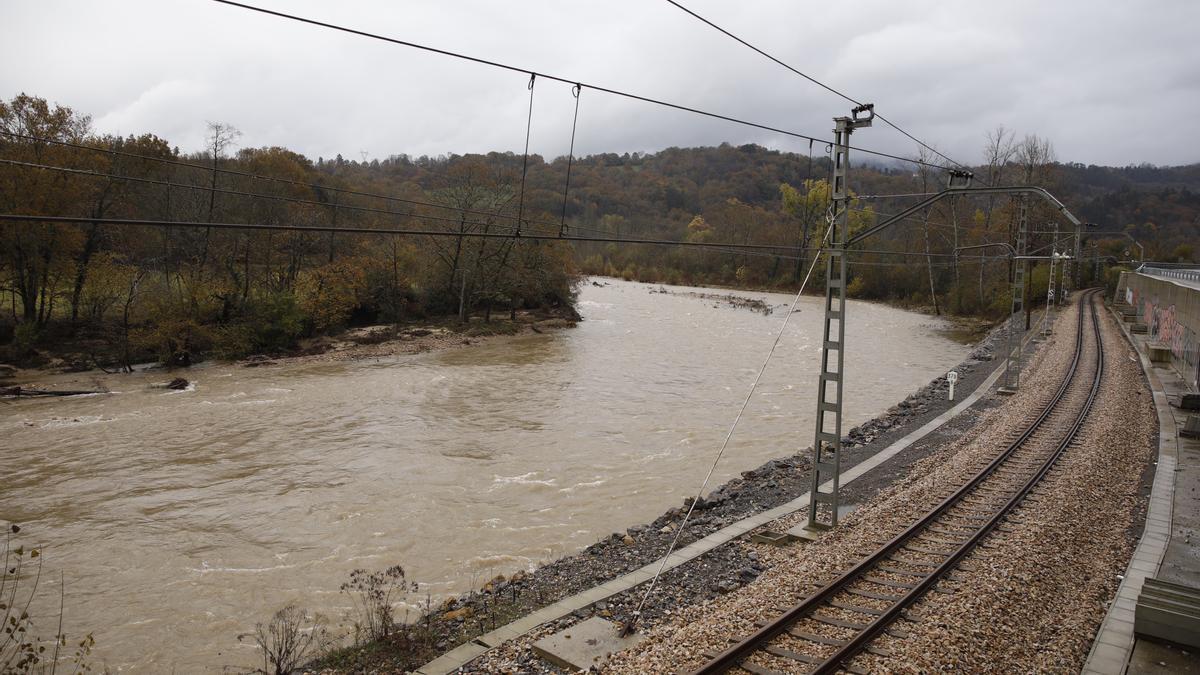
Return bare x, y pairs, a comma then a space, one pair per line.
952, 377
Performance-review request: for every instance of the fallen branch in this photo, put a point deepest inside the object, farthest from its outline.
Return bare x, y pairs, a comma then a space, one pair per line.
18, 392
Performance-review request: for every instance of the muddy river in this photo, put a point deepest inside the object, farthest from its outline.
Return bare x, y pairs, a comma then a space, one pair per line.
179, 519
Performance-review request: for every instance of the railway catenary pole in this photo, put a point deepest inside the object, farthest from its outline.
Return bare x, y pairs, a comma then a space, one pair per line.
1051, 298
827, 442
1012, 358
1076, 279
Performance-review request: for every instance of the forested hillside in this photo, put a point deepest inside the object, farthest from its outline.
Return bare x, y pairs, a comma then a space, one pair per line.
132, 292
186, 291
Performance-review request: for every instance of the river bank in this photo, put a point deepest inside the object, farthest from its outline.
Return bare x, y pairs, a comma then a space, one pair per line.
351, 344
255, 488
721, 571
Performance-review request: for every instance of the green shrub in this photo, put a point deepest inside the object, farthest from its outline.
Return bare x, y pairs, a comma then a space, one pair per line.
277, 322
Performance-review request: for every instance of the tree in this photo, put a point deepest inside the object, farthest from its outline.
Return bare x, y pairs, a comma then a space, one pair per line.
807, 208
38, 254
221, 137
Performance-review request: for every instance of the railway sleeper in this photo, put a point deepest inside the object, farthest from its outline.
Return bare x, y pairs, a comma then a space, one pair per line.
891, 584
904, 573
757, 670
963, 516
914, 563
956, 542
927, 551
857, 609
826, 619
791, 655
874, 596
813, 637
965, 530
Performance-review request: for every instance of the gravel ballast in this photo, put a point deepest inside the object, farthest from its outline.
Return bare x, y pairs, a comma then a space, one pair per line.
727, 568
1030, 599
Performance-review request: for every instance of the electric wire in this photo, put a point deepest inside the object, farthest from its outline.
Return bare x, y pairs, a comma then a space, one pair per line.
507, 235
564, 80
576, 91
896, 195
728, 247
241, 193
818, 83
637, 613
245, 174
525, 157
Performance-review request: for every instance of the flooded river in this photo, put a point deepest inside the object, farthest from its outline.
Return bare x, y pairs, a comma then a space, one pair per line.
179, 519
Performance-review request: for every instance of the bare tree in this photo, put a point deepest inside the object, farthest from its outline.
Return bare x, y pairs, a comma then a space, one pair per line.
1035, 156
221, 137
288, 640
998, 154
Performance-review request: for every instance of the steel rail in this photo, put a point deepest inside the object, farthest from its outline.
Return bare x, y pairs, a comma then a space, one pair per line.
734, 655
859, 641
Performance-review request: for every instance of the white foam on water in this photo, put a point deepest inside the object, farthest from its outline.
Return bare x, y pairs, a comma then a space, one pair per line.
576, 486
82, 420
523, 479
205, 568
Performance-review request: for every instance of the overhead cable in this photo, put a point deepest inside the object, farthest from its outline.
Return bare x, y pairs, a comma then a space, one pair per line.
564, 80
286, 181
817, 82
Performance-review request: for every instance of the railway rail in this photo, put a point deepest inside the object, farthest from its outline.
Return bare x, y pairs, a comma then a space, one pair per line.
825, 631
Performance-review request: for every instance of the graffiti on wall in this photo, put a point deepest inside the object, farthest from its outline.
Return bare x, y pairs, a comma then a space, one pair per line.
1163, 326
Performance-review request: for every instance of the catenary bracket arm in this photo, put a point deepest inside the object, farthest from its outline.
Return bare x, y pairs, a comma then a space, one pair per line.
950, 192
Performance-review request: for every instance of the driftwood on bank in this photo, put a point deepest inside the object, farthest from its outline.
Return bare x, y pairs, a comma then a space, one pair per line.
27, 392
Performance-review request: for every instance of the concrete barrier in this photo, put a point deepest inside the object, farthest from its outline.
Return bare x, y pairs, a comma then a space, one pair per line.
1168, 307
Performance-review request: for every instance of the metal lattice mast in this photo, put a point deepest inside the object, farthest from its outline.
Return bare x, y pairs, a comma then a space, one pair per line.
1051, 296
1076, 280
1012, 364
827, 442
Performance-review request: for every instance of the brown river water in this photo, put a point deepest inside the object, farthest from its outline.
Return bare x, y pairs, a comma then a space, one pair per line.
179, 519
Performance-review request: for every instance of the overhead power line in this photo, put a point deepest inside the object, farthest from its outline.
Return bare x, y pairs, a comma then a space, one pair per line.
239, 193
285, 181
566, 80
818, 83
896, 195
741, 249
766, 250
738, 249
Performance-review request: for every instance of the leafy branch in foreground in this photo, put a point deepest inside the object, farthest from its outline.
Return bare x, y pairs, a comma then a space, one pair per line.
21, 650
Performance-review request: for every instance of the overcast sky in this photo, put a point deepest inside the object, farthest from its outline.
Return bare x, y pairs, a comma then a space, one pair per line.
1111, 82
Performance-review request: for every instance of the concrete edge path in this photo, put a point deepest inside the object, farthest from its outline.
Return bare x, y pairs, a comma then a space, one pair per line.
464, 653
1114, 641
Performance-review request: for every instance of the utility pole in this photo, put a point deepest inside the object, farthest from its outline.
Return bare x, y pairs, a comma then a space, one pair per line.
1051, 297
1012, 360
827, 442
1076, 277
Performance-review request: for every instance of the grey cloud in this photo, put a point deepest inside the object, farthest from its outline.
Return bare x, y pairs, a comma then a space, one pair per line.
1107, 82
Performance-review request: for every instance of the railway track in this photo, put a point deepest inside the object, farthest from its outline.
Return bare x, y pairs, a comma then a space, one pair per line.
826, 630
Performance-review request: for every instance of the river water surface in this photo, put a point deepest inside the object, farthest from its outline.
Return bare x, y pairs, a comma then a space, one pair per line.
179, 519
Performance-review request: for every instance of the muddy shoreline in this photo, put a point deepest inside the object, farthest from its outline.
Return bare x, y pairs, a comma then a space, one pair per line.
719, 571
352, 344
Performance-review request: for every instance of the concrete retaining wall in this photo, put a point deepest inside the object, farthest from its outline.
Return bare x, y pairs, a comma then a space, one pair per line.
1171, 313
